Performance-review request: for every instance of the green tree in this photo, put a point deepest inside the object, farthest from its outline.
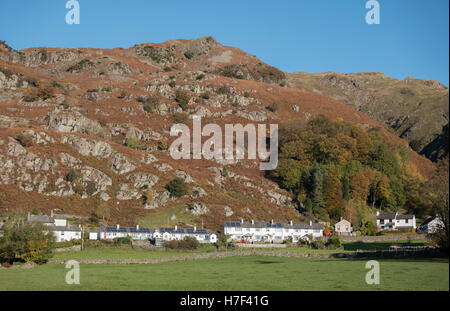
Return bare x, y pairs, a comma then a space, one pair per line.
23, 241
72, 175
177, 187
346, 189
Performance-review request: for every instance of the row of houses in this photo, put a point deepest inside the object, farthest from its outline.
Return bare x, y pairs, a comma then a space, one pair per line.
273, 232
165, 234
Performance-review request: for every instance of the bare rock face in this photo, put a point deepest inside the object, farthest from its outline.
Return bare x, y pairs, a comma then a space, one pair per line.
13, 148
37, 57
160, 198
120, 164
100, 179
149, 159
183, 175
163, 167
146, 135
35, 137
257, 116
198, 192
197, 209
143, 180
124, 192
105, 197
73, 123
228, 211
68, 160
88, 147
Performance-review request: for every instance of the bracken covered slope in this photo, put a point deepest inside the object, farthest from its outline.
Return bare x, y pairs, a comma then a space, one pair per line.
107, 114
415, 109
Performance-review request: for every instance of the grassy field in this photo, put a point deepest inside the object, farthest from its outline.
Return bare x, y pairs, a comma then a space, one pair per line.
117, 253
237, 273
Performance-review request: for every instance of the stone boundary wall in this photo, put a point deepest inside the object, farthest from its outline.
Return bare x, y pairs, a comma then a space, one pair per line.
274, 253
381, 238
66, 249
260, 245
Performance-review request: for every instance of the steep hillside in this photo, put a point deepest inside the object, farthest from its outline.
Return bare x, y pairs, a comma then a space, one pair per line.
86, 131
415, 109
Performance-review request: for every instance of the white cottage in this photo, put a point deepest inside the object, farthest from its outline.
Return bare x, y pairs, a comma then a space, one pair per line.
253, 231
58, 225
394, 221
343, 227
136, 233
175, 233
432, 224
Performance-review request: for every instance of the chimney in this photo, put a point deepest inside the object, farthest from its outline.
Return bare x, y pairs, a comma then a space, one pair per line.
378, 213
118, 227
291, 223
137, 227
341, 219
176, 227
195, 228
29, 216
271, 222
253, 222
242, 221
51, 213
310, 223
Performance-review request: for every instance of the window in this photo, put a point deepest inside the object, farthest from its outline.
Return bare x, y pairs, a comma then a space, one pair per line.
382, 222
406, 221
339, 227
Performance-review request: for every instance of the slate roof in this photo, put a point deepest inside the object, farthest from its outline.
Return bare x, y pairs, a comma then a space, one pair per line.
62, 228
127, 230
41, 218
405, 216
261, 224
185, 231
386, 215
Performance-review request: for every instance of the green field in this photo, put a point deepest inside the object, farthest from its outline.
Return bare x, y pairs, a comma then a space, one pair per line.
237, 273
117, 253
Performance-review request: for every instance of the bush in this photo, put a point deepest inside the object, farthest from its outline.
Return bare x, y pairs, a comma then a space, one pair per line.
334, 242
25, 140
180, 117
182, 97
177, 187
223, 90
189, 55
25, 242
318, 244
189, 243
273, 107
167, 69
72, 175
123, 241
172, 84
162, 145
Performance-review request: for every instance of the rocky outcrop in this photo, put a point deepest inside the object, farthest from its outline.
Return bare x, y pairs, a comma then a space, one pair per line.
160, 198
197, 209
124, 192
143, 180
120, 164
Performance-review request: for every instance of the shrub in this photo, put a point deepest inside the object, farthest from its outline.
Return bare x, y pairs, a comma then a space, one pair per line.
318, 244
72, 175
172, 84
167, 69
179, 117
91, 188
273, 107
123, 241
39, 93
189, 54
189, 243
334, 242
177, 187
25, 140
223, 90
26, 242
200, 77
182, 97
162, 145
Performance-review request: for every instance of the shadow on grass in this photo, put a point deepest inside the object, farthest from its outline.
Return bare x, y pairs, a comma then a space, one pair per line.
376, 246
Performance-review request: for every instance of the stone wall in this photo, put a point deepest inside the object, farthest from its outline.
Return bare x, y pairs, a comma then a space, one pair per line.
381, 238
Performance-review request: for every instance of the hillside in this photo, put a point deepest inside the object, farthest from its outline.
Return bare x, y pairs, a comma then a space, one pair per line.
416, 110
107, 114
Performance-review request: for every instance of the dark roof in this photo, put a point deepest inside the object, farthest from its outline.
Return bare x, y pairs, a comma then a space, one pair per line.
261, 224
127, 230
185, 231
386, 215
62, 228
405, 216
41, 218
59, 217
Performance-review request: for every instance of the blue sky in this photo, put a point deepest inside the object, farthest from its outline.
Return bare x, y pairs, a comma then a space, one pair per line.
293, 35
